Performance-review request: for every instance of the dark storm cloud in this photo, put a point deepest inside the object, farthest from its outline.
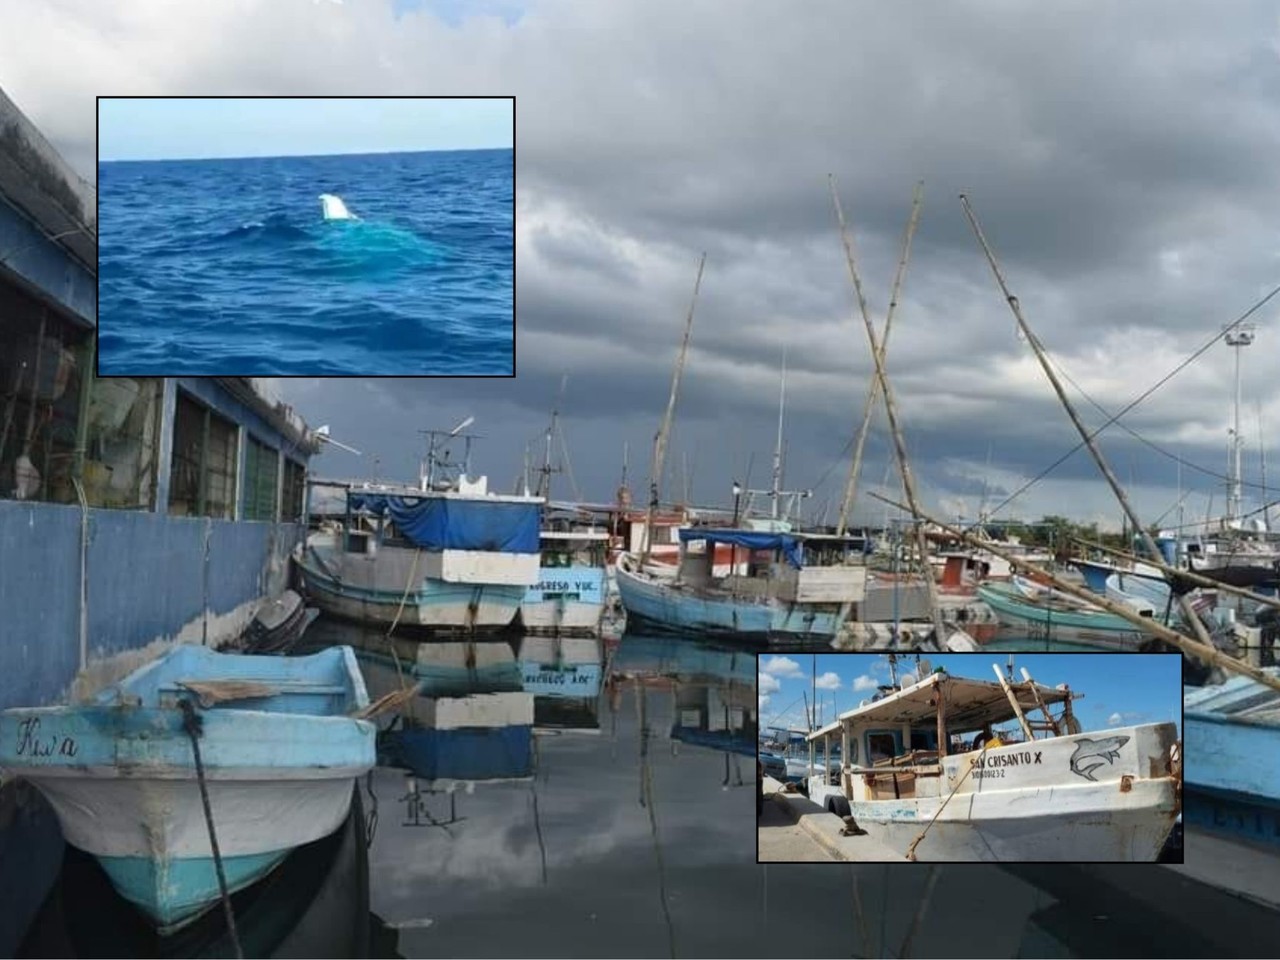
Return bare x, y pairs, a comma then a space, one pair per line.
1120, 157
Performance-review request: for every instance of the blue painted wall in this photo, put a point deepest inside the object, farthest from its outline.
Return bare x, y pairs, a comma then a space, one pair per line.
147, 577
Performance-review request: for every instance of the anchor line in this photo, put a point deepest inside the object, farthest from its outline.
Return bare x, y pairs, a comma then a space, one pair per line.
193, 724
911, 850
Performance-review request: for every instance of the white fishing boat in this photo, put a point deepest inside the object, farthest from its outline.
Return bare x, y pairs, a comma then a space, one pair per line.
1109, 795
446, 556
569, 597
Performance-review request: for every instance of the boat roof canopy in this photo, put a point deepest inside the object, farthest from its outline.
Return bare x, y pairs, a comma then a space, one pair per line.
971, 704
788, 543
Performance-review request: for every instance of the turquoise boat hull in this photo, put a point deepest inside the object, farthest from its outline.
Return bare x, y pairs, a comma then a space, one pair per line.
277, 736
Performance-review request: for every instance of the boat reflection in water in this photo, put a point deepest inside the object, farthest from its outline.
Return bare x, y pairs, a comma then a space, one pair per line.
315, 904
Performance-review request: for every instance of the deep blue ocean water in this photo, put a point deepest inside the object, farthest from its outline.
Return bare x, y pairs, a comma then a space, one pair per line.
227, 267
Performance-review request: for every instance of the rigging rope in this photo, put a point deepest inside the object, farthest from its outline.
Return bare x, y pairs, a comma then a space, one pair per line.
1138, 400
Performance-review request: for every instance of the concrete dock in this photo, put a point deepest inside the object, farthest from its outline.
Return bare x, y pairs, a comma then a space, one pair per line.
794, 828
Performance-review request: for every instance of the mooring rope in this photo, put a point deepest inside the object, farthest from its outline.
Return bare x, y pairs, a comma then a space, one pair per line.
193, 724
911, 850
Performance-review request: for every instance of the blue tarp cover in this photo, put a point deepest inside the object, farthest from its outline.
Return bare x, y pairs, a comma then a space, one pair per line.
438, 523
751, 539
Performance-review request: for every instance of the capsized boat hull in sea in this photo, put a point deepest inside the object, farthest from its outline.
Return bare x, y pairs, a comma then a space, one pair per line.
120, 772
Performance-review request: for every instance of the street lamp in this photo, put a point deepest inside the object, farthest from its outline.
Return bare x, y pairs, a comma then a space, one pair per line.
737, 500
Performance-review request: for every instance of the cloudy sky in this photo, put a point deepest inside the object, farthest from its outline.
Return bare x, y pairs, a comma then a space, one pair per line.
1119, 155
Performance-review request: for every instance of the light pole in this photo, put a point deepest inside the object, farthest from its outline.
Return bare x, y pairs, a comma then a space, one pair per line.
737, 500
1237, 338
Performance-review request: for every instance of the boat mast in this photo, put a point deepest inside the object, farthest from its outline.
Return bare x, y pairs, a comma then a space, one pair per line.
660, 438
873, 388
890, 407
1237, 338
1148, 542
776, 493
1262, 462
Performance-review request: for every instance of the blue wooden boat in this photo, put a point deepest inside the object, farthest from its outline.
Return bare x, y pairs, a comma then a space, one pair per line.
1232, 737
795, 586
280, 749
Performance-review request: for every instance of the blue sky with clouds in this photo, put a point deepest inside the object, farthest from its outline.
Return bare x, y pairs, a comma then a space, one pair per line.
187, 128
1118, 689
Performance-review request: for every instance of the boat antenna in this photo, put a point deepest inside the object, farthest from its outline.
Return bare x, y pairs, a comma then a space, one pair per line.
893, 669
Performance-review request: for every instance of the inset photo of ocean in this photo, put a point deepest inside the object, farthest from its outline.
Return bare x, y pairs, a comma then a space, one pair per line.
306, 237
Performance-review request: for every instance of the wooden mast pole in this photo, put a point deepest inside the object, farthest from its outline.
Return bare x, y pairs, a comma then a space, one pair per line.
873, 388
1188, 612
1187, 645
660, 439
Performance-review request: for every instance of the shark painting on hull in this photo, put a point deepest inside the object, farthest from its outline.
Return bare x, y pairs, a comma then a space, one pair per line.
1091, 754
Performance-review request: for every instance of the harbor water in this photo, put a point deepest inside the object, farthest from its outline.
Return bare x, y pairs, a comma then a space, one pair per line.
634, 837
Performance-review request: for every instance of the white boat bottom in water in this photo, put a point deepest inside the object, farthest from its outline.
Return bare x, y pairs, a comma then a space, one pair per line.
152, 838
573, 617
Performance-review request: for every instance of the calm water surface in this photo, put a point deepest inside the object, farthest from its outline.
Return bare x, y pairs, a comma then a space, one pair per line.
635, 837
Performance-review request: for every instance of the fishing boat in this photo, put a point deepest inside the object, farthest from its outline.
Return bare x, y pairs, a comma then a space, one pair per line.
1233, 765
445, 557
796, 585
1060, 618
280, 747
1108, 795
792, 746
569, 597
1232, 804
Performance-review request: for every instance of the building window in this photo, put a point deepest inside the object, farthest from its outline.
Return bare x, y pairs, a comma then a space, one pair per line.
42, 359
202, 479
261, 473
122, 441
294, 484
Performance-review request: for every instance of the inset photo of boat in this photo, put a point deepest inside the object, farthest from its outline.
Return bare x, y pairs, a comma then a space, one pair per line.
1005, 758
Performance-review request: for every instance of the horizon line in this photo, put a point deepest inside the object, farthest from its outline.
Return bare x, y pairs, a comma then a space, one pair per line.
275, 156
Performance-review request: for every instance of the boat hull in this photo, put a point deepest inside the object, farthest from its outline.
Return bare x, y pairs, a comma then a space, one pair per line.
565, 618
1081, 824
1102, 630
1232, 774
566, 601
434, 605
668, 607
279, 767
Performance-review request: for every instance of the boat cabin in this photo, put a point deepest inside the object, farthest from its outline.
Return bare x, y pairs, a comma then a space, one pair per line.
893, 746
792, 567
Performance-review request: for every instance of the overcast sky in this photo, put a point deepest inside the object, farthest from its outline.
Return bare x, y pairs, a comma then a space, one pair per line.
1120, 156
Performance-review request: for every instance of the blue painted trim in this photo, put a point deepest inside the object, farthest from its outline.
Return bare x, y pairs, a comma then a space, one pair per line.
177, 890
46, 269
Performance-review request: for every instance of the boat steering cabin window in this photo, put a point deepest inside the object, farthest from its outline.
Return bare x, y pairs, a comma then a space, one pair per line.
881, 746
